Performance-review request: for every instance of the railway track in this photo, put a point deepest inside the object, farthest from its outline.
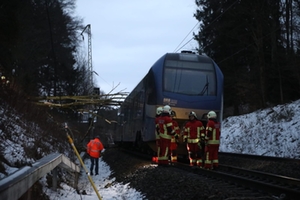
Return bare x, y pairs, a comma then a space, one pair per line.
244, 182
271, 183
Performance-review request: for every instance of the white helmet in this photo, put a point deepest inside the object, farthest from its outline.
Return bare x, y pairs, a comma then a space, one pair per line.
192, 113
159, 110
211, 114
167, 109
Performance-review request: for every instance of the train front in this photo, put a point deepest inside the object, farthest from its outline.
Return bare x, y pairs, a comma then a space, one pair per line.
187, 82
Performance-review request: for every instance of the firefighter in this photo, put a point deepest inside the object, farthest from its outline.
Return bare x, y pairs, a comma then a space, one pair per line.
202, 146
94, 148
165, 128
212, 137
159, 111
175, 138
192, 132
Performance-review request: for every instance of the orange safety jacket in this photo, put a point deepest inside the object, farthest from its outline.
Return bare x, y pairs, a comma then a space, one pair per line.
94, 148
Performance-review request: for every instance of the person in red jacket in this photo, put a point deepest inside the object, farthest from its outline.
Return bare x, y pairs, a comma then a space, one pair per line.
192, 133
165, 129
174, 139
212, 137
94, 148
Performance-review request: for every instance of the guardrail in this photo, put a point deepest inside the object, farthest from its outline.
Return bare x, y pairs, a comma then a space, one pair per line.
16, 184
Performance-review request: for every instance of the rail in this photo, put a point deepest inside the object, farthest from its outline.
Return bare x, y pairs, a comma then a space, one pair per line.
259, 184
18, 183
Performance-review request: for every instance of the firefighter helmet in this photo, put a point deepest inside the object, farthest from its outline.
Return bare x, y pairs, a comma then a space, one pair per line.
211, 114
159, 110
167, 109
192, 113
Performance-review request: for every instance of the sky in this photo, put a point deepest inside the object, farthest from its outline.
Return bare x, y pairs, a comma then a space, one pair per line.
269, 132
128, 37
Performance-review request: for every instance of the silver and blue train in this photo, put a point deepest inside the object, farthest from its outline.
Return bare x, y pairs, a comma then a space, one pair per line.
185, 81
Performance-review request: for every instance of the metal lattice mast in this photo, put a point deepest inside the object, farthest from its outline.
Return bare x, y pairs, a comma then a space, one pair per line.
87, 29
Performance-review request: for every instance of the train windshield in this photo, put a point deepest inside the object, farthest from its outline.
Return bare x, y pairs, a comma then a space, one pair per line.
190, 78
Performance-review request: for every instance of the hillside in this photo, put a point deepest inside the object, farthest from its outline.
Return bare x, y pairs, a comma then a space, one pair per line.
24, 141
269, 132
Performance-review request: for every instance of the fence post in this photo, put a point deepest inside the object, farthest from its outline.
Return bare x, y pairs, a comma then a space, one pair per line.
76, 180
54, 179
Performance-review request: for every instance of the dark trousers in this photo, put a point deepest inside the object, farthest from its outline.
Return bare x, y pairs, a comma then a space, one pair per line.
94, 161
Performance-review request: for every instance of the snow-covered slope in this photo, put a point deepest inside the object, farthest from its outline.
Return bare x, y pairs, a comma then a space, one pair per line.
270, 132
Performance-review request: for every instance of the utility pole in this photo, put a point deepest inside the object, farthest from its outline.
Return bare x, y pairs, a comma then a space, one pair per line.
87, 29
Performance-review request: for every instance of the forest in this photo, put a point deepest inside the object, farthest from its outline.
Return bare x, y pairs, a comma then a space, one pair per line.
39, 47
255, 43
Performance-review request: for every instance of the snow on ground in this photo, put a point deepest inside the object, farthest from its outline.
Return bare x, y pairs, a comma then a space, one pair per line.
108, 189
270, 132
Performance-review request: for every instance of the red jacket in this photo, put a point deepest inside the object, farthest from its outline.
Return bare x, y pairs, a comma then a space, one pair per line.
94, 148
165, 126
193, 131
213, 132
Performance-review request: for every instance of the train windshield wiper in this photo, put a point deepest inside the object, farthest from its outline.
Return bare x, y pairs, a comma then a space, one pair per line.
205, 88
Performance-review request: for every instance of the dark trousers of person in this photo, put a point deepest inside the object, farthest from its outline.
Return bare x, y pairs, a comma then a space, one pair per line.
94, 161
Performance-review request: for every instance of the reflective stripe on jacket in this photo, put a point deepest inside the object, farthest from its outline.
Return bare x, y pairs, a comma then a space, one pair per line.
213, 132
193, 130
94, 148
165, 126
176, 129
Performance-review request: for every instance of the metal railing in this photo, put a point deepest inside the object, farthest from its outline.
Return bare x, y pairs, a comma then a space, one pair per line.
18, 183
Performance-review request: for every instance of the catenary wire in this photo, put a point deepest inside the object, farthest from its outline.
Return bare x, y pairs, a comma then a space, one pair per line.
177, 49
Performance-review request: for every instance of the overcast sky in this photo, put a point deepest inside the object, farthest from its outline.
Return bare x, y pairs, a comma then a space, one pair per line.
129, 36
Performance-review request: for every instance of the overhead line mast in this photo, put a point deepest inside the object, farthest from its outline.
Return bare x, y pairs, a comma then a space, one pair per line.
87, 29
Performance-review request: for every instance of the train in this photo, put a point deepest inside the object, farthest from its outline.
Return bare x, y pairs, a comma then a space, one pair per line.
185, 81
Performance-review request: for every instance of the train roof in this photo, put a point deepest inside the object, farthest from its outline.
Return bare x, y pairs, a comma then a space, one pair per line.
187, 57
